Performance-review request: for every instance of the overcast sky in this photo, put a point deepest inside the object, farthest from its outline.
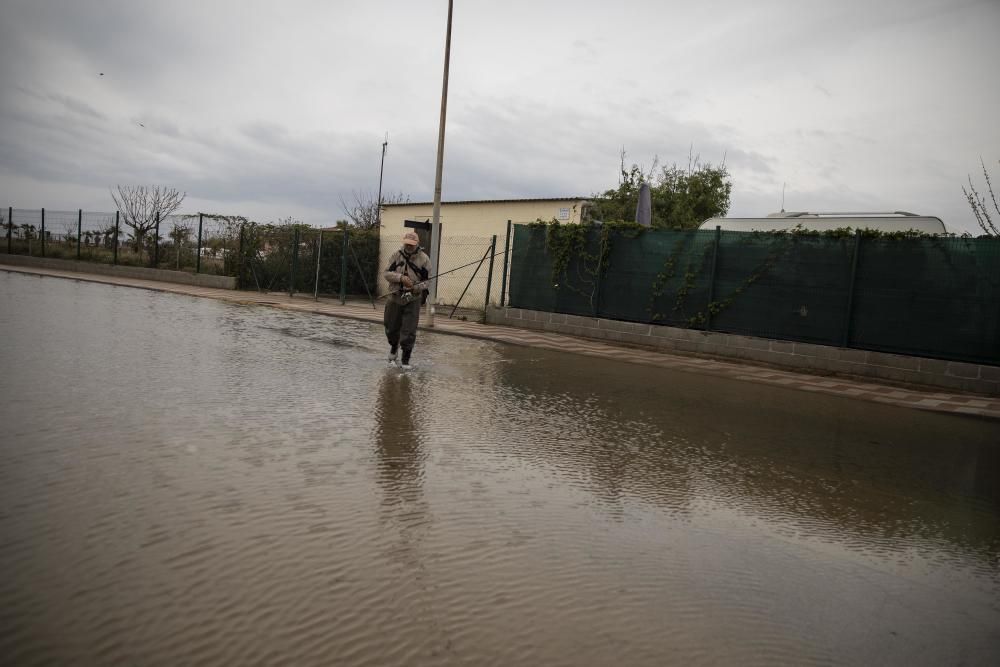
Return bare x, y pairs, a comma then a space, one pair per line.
276, 109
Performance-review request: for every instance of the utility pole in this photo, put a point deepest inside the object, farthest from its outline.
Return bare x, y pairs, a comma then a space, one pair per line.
378, 211
436, 219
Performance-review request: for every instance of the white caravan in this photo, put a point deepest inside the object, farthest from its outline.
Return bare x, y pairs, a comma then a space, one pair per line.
895, 221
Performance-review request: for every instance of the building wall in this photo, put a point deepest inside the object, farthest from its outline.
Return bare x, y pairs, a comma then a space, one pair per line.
466, 230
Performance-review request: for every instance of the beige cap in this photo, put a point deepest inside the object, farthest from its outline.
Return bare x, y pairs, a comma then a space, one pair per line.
411, 238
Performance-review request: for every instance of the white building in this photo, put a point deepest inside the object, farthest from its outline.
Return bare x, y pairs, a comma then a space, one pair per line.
467, 228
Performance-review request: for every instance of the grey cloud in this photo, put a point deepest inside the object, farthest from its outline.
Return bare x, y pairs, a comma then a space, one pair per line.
544, 113
77, 106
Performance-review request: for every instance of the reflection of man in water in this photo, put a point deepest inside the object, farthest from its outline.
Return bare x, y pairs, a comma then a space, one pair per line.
398, 440
407, 273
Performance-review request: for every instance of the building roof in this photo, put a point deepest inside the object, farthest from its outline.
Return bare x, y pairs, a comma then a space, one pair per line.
488, 201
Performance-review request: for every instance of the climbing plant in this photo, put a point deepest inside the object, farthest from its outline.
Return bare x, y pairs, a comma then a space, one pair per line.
576, 265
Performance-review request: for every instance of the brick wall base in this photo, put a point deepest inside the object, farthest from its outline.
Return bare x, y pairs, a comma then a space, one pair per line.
807, 357
140, 273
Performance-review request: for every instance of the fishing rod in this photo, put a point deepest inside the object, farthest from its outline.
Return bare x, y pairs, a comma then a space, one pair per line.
444, 273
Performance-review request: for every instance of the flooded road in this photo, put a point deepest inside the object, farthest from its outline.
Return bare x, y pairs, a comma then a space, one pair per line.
184, 481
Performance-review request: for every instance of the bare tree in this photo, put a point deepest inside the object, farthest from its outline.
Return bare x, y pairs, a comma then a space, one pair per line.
979, 205
141, 206
364, 211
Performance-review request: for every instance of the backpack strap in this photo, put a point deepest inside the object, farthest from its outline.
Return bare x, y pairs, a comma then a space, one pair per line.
420, 273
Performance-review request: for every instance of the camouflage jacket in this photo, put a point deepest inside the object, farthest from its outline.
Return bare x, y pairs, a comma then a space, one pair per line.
416, 266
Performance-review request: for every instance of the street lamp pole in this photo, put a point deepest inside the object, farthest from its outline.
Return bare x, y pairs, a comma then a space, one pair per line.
436, 218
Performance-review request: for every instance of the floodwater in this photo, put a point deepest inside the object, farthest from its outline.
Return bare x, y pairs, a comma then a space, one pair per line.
190, 482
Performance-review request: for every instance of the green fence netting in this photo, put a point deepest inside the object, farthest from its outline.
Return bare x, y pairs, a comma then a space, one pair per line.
924, 296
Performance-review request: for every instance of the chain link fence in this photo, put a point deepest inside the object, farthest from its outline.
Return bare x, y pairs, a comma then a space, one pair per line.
467, 264
286, 257
193, 242
296, 258
469, 267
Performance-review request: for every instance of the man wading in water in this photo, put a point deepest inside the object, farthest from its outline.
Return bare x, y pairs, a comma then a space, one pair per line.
407, 274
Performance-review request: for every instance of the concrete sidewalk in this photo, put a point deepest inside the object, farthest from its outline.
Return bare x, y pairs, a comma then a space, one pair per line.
969, 404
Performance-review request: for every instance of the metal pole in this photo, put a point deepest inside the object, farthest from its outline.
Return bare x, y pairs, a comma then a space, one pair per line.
156, 242
117, 221
378, 211
503, 277
10, 228
79, 230
197, 261
343, 266
319, 254
43, 232
711, 283
435, 266
364, 281
436, 220
239, 264
850, 289
489, 273
462, 296
295, 260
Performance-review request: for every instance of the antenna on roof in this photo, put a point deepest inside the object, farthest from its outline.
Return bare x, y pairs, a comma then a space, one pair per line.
381, 169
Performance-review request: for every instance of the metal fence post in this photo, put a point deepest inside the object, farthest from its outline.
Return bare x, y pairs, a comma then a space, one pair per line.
295, 260
319, 254
79, 230
10, 228
850, 289
156, 242
118, 215
711, 284
239, 264
343, 267
197, 260
43, 232
503, 277
489, 272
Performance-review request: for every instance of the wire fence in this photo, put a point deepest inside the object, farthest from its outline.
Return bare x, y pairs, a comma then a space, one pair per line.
920, 295
284, 257
926, 296
469, 268
297, 258
468, 264
194, 242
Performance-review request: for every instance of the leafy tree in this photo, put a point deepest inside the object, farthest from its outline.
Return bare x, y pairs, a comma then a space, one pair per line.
109, 237
980, 207
180, 234
682, 198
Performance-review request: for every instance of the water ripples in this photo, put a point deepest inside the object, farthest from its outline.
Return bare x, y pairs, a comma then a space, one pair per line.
189, 482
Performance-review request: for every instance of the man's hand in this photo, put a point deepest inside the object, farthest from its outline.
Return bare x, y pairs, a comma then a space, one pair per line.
406, 282
420, 287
